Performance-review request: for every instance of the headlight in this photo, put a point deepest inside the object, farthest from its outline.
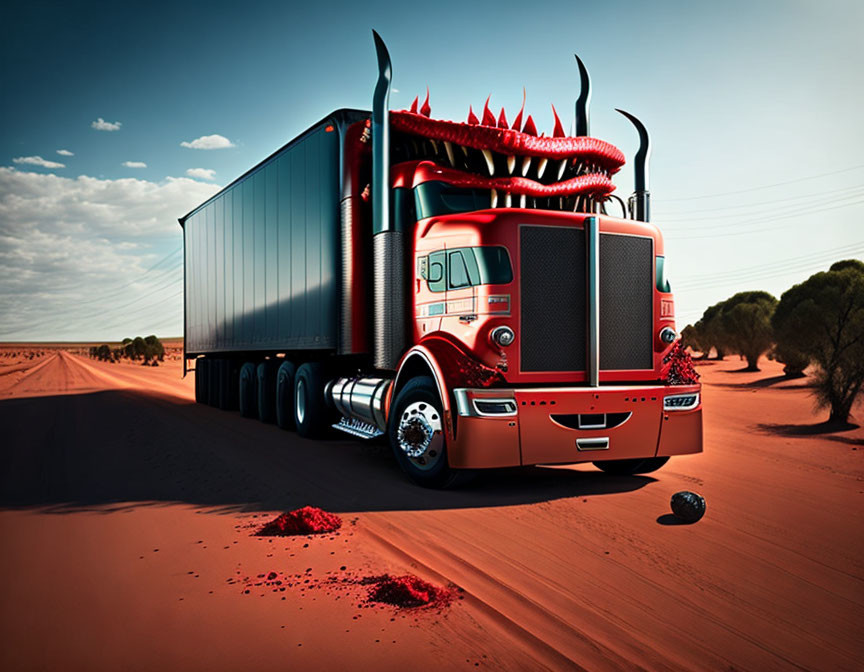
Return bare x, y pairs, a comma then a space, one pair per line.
681, 402
502, 336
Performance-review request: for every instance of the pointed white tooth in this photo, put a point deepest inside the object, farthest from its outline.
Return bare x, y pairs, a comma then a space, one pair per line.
522, 200
526, 164
434, 145
490, 164
449, 149
464, 149
541, 167
494, 199
561, 169
511, 164
508, 200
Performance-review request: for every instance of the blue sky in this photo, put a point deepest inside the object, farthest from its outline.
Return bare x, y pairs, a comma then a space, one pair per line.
737, 96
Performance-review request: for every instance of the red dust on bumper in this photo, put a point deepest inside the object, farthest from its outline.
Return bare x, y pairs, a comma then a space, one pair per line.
575, 424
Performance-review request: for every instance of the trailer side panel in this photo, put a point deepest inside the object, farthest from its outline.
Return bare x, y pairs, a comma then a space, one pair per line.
262, 256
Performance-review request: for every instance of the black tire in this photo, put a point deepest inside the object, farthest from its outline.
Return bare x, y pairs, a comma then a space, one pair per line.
417, 406
285, 395
266, 377
214, 378
630, 467
248, 390
228, 386
202, 388
312, 416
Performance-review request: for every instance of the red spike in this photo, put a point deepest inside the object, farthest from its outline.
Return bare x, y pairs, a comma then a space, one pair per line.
414, 105
426, 110
517, 122
472, 118
530, 128
488, 117
559, 129
502, 120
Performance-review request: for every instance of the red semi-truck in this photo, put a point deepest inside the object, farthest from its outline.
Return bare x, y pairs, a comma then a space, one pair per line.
457, 288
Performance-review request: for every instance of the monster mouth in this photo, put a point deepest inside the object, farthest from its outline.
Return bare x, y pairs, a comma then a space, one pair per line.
511, 186
514, 160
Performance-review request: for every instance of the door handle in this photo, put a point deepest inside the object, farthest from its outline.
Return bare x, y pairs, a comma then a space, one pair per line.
467, 318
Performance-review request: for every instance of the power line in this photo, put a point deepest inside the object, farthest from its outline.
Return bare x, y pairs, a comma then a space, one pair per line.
685, 217
785, 264
763, 221
767, 186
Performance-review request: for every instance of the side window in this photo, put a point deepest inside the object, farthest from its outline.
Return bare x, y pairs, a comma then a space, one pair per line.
458, 271
435, 272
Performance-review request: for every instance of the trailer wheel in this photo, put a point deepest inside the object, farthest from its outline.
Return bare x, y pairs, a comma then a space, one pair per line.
200, 380
228, 385
416, 432
266, 380
214, 377
630, 467
248, 389
285, 395
311, 415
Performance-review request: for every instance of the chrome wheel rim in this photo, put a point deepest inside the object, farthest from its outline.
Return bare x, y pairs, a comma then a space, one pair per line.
420, 435
301, 400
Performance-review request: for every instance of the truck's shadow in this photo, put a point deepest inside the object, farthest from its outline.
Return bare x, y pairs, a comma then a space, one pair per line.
68, 452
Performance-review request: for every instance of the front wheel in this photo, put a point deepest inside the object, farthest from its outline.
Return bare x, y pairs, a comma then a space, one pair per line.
416, 433
630, 467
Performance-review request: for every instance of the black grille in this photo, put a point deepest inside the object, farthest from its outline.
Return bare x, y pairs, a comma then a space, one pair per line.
552, 298
626, 302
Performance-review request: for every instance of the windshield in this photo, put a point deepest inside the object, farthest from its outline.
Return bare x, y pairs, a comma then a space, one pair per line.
439, 198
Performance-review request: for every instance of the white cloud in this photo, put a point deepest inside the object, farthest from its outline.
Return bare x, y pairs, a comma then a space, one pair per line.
101, 125
38, 161
209, 142
65, 152
67, 245
134, 164
202, 173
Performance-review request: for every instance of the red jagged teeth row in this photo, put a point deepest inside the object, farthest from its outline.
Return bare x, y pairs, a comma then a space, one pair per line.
523, 186
510, 141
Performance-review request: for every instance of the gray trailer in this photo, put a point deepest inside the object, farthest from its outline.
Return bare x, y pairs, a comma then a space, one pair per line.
262, 258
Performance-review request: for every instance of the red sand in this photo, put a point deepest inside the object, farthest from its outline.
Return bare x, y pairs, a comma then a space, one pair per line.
308, 520
563, 568
407, 591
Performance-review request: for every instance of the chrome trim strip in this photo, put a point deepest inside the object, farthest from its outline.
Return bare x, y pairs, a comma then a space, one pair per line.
695, 404
596, 443
463, 408
592, 247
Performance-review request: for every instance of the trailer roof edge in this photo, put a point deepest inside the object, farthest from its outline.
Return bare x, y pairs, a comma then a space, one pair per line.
341, 112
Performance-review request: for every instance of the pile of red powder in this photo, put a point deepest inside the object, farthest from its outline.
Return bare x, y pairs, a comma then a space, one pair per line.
407, 591
308, 520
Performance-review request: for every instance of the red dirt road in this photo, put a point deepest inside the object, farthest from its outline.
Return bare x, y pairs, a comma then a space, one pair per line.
561, 568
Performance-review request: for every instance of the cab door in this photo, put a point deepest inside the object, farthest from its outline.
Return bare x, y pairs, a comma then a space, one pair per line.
460, 315
430, 295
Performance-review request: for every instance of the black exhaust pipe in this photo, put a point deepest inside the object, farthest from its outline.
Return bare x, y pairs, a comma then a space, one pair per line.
583, 101
388, 247
639, 202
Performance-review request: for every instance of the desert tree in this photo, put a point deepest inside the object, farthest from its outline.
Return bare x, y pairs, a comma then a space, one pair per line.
745, 322
710, 330
691, 337
823, 318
